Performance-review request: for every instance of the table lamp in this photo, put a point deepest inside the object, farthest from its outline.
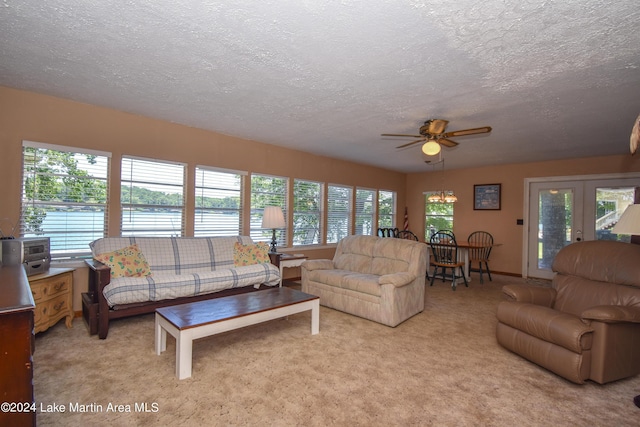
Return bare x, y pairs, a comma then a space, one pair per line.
273, 218
629, 222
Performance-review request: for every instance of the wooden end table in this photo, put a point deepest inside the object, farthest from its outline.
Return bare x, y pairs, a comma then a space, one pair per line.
283, 261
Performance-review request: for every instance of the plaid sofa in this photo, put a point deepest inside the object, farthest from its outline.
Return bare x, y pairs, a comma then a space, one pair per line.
182, 267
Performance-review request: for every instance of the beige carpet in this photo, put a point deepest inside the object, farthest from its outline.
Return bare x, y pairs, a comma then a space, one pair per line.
442, 367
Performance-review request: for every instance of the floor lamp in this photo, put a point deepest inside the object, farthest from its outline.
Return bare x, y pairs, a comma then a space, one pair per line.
629, 223
273, 218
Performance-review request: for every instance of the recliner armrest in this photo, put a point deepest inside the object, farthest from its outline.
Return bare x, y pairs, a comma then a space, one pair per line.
530, 294
612, 314
317, 264
397, 279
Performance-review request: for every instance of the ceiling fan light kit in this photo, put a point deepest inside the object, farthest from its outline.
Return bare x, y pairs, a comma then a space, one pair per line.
431, 148
433, 134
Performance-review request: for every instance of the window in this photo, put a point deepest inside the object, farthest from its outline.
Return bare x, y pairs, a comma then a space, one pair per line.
338, 212
365, 211
438, 216
386, 209
64, 197
218, 202
152, 197
307, 203
267, 191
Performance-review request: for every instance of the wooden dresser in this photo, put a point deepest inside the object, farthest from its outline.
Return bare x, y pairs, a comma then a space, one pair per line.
53, 295
16, 348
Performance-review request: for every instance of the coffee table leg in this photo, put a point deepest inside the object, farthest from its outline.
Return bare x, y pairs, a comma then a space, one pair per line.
315, 316
184, 346
161, 337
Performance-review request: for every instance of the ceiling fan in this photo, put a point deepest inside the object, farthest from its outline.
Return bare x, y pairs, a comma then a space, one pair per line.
434, 135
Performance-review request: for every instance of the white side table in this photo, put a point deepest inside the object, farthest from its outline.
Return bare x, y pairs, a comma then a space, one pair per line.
289, 261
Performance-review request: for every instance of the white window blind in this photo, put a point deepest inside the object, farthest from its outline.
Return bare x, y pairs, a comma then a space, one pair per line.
387, 209
267, 191
152, 198
365, 211
339, 202
64, 197
307, 212
218, 202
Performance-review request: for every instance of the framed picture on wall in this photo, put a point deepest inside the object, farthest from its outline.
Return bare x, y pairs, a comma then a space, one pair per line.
486, 197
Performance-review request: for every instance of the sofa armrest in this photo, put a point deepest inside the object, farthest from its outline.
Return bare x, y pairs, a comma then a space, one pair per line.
317, 264
547, 324
530, 294
397, 279
99, 277
612, 314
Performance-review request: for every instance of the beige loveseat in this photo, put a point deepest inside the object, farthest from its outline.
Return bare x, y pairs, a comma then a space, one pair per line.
586, 326
380, 279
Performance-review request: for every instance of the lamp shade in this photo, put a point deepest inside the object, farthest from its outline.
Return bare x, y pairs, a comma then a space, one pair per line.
273, 217
629, 222
431, 148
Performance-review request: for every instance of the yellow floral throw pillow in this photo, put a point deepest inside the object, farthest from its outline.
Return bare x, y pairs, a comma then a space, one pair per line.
250, 254
125, 262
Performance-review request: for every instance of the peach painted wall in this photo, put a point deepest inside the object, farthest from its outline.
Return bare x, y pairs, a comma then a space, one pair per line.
40, 118
506, 258
35, 117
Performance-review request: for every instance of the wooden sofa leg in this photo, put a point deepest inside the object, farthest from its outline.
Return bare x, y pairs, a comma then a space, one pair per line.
103, 319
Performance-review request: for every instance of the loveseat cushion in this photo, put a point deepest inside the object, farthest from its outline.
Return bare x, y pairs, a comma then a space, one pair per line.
390, 256
547, 324
360, 282
397, 279
345, 279
354, 253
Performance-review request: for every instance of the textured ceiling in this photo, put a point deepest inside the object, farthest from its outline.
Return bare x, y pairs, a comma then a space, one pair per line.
555, 79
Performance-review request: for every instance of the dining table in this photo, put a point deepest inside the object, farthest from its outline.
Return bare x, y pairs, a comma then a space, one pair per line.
463, 254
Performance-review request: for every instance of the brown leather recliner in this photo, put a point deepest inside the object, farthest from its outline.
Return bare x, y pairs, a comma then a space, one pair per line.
586, 326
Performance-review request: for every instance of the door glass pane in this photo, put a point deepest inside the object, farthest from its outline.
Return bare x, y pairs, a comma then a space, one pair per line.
610, 204
554, 225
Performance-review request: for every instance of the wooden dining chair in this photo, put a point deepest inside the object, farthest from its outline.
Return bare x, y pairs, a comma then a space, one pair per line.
480, 243
444, 249
407, 235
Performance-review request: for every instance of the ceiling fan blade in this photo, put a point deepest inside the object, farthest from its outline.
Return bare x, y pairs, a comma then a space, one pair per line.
401, 134
447, 142
485, 129
410, 143
437, 126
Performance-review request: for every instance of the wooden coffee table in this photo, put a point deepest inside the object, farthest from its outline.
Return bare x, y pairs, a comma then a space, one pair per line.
187, 322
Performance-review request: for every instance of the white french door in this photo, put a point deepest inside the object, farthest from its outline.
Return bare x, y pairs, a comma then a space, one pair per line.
555, 218
561, 212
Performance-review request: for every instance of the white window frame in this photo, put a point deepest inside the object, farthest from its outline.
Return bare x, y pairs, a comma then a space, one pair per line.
387, 220
69, 234
222, 218
257, 233
339, 213
361, 216
151, 219
305, 216
428, 231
